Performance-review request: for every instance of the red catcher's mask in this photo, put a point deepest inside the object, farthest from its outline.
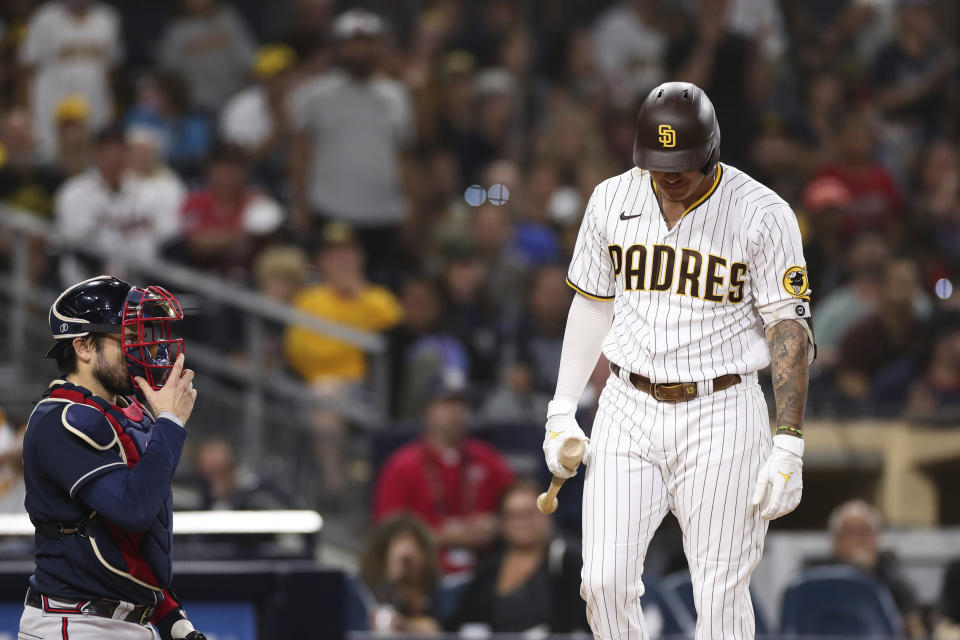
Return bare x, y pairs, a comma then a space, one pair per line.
150, 355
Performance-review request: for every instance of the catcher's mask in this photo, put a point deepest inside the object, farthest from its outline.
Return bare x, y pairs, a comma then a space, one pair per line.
148, 342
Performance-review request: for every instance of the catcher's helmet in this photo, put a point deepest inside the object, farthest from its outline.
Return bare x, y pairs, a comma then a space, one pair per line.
109, 305
91, 306
677, 130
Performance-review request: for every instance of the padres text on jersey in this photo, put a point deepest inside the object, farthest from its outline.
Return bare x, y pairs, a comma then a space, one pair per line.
687, 298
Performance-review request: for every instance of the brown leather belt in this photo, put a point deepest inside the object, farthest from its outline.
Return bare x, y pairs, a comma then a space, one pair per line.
139, 614
674, 392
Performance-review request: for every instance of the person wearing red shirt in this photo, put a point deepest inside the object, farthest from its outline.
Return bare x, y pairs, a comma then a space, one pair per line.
875, 201
228, 220
450, 480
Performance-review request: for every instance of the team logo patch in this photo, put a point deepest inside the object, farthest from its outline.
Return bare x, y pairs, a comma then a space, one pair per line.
795, 282
63, 327
668, 136
800, 310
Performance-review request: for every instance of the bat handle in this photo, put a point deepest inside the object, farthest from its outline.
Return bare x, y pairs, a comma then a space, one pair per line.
547, 501
571, 453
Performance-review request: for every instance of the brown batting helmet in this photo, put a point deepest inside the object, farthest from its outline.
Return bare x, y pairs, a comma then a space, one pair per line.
677, 130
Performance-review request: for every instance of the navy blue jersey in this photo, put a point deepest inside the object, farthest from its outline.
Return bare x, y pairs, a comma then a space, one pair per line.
78, 461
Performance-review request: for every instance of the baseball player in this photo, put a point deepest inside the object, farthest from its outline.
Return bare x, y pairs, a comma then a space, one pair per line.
690, 278
98, 466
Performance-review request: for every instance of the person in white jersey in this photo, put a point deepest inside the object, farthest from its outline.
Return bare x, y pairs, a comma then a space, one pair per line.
690, 278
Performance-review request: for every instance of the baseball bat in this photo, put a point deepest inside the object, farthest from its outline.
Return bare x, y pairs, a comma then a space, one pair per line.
571, 453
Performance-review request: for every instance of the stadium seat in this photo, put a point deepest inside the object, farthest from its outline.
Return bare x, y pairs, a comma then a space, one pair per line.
680, 585
661, 607
838, 601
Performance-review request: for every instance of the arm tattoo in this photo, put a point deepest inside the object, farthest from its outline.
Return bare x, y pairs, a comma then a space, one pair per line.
789, 369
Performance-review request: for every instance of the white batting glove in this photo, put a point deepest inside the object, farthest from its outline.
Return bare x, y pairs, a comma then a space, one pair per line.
561, 424
782, 475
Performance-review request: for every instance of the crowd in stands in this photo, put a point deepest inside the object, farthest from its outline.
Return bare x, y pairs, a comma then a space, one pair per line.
419, 169
430, 163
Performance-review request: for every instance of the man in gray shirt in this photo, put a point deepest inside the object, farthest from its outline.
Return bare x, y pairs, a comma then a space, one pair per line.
209, 46
352, 126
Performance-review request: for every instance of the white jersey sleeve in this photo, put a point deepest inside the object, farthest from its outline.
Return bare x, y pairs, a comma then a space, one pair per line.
591, 269
781, 285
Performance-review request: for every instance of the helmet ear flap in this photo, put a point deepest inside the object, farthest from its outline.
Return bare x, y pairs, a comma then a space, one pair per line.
712, 161
714, 156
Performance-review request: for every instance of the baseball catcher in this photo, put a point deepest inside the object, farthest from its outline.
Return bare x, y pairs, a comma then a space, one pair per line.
98, 464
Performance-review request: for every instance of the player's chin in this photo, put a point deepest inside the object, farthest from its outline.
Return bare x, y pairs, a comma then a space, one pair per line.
677, 192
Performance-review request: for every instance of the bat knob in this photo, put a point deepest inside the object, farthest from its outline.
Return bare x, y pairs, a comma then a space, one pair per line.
546, 503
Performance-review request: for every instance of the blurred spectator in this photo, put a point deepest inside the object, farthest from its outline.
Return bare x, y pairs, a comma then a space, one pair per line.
933, 235
506, 270
471, 317
279, 274
630, 46
799, 137
330, 431
935, 395
14, 18
533, 584
538, 336
846, 305
310, 31
225, 487
738, 86
71, 48
874, 197
912, 73
535, 240
450, 480
25, 183
209, 46
824, 205
492, 133
352, 124
12, 488
74, 136
948, 627
515, 400
881, 351
161, 186
399, 566
423, 352
112, 209
255, 117
345, 297
226, 222
855, 527
184, 136
760, 22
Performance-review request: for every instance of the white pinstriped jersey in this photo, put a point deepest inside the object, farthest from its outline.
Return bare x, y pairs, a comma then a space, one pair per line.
688, 299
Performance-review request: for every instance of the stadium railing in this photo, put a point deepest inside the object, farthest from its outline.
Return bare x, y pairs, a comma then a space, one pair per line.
247, 384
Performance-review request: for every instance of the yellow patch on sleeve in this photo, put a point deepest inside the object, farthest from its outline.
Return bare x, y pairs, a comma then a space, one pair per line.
796, 283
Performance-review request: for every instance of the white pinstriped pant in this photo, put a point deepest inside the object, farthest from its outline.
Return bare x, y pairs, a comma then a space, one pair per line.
699, 459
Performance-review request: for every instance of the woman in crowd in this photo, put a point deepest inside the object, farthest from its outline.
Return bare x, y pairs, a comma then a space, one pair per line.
533, 584
400, 569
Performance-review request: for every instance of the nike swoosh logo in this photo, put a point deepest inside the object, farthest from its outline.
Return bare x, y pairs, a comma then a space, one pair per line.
624, 216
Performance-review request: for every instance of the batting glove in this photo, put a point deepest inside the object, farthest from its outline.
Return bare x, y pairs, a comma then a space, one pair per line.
782, 476
561, 424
